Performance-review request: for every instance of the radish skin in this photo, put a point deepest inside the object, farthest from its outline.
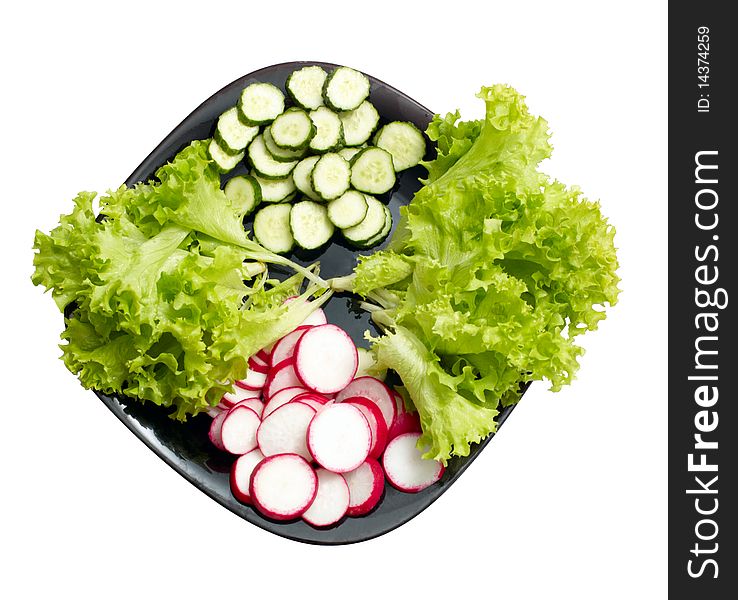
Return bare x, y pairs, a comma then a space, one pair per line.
405, 422
281, 398
280, 377
376, 422
374, 390
283, 486
239, 393
258, 364
366, 485
215, 429
240, 476
285, 347
404, 466
339, 437
254, 380
325, 359
254, 404
320, 398
331, 500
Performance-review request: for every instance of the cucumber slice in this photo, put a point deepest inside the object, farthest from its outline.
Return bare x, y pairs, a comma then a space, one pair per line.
349, 153
232, 135
276, 190
328, 130
301, 174
244, 194
345, 89
305, 87
347, 210
310, 225
403, 141
380, 237
264, 164
359, 124
278, 153
331, 176
293, 129
371, 225
223, 161
272, 228
372, 171
260, 103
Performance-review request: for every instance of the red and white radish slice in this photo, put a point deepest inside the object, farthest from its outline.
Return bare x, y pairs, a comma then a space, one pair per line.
254, 404
241, 471
283, 486
331, 501
215, 429
239, 393
374, 390
281, 398
366, 485
285, 430
404, 467
238, 431
320, 398
258, 364
265, 354
280, 377
285, 347
325, 359
339, 437
311, 402
254, 380
405, 422
376, 422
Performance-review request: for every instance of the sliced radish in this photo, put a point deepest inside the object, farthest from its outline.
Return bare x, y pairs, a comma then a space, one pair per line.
280, 377
254, 380
405, 468
215, 430
405, 422
265, 354
285, 430
311, 402
258, 364
254, 404
285, 347
325, 359
320, 398
283, 486
376, 422
339, 437
238, 431
374, 390
281, 398
331, 501
366, 485
239, 393
241, 471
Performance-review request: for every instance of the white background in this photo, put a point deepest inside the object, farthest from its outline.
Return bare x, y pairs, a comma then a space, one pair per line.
569, 501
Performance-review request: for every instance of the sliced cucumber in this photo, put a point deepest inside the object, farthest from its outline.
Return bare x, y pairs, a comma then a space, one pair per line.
331, 176
272, 228
232, 135
345, 89
305, 87
264, 164
293, 129
223, 161
310, 225
347, 210
260, 103
278, 153
403, 141
328, 130
380, 237
359, 124
301, 174
244, 194
372, 171
349, 153
371, 225
276, 190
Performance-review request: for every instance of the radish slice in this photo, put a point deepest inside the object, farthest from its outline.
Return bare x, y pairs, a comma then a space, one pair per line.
285, 430
254, 404
254, 380
366, 485
265, 354
238, 431
405, 468
405, 422
311, 402
241, 474
339, 437
283, 486
325, 359
285, 347
374, 390
258, 364
376, 422
281, 398
215, 429
280, 377
331, 502
239, 393
320, 398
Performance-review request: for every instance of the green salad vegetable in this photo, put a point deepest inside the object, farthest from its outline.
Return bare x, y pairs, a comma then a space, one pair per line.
493, 272
156, 284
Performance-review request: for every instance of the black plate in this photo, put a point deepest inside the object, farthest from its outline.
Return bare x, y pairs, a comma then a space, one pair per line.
185, 447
